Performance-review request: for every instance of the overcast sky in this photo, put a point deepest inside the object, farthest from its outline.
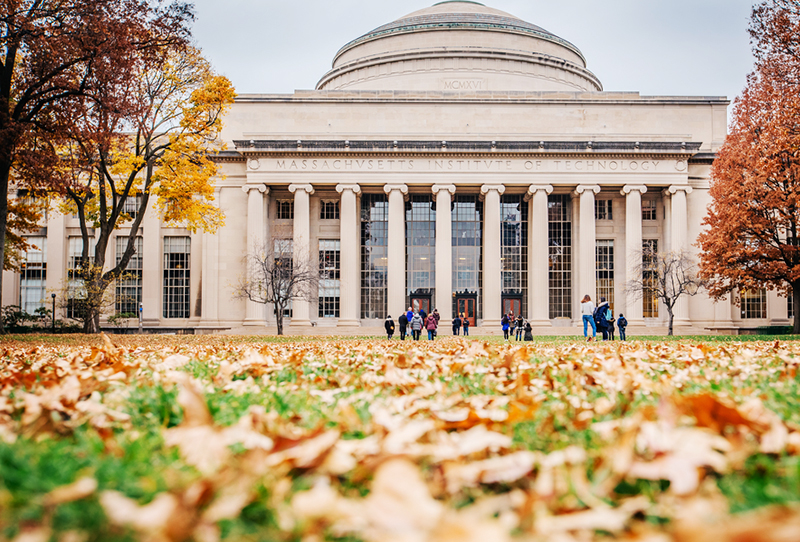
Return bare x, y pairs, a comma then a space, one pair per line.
680, 47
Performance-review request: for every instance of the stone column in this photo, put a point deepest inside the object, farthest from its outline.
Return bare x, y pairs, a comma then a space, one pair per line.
209, 271
254, 312
396, 250
57, 246
349, 257
538, 256
444, 251
301, 311
679, 225
587, 273
633, 248
492, 288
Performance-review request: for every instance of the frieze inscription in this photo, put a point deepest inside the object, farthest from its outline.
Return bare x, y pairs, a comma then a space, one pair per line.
425, 165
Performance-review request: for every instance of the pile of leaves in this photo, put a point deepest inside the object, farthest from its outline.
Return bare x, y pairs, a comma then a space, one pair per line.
375, 440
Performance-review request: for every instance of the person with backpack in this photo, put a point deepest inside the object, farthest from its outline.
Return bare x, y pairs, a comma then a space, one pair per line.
389, 326
456, 325
520, 328
587, 313
622, 324
403, 323
601, 318
465, 324
430, 325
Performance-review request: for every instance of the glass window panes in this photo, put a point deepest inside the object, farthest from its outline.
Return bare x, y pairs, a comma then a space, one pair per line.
421, 245
285, 209
649, 209
329, 266
33, 276
604, 265
177, 256
467, 235
129, 287
559, 223
602, 209
131, 206
753, 303
329, 210
514, 247
374, 231
650, 278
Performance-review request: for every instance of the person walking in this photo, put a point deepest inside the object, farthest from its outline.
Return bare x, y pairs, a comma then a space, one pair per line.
465, 324
416, 326
436, 315
587, 313
622, 324
520, 328
528, 332
430, 325
423, 315
403, 323
611, 325
456, 325
389, 325
409, 314
505, 323
601, 317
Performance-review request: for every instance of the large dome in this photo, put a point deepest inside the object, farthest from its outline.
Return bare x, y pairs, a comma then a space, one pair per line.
459, 46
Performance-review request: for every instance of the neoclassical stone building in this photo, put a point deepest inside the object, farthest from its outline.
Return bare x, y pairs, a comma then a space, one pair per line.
457, 158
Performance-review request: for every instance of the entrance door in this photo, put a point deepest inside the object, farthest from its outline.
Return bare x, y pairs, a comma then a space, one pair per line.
423, 303
466, 306
512, 304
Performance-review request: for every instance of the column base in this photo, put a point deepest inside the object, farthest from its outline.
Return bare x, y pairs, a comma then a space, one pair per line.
254, 322
541, 323
348, 323
299, 323
682, 322
633, 321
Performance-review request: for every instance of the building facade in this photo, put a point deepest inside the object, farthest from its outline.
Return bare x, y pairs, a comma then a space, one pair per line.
457, 158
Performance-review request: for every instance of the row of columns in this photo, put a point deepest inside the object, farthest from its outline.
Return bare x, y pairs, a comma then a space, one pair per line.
538, 253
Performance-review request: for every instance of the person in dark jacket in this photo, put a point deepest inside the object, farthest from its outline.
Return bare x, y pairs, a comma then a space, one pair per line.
600, 317
389, 325
528, 332
403, 323
622, 324
456, 325
465, 325
423, 315
519, 328
505, 323
436, 315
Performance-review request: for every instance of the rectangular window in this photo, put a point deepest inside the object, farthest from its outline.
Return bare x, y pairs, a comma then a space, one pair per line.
33, 276
467, 234
329, 210
129, 287
514, 249
131, 206
604, 257
75, 288
329, 267
650, 278
753, 303
374, 264
559, 224
602, 209
285, 208
649, 209
283, 251
177, 255
421, 246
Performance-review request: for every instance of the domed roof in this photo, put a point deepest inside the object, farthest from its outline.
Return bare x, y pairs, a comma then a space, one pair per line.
477, 47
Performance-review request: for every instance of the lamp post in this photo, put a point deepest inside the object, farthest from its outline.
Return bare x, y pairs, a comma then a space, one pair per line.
54, 312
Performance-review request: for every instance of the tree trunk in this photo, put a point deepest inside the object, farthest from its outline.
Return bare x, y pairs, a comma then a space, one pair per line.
671, 316
279, 319
5, 170
796, 307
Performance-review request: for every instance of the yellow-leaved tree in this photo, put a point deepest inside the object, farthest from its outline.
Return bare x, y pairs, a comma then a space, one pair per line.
157, 150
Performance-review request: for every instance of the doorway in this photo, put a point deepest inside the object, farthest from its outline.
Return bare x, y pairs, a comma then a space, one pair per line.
513, 304
466, 305
421, 302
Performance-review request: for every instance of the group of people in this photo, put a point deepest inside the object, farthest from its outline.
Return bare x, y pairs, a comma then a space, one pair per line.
601, 317
412, 322
461, 322
521, 328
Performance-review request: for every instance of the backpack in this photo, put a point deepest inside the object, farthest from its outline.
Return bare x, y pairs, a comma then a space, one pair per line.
622, 322
609, 315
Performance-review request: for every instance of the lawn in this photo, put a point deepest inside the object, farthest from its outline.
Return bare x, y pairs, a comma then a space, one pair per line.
252, 438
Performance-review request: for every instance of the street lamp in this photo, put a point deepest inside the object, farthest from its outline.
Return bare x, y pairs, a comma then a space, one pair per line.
54, 311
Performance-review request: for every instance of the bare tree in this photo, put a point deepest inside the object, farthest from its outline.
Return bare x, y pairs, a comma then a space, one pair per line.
665, 276
273, 275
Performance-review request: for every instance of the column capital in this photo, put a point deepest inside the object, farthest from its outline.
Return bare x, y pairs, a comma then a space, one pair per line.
448, 187
581, 188
302, 187
628, 188
499, 188
677, 187
246, 188
389, 188
352, 187
548, 188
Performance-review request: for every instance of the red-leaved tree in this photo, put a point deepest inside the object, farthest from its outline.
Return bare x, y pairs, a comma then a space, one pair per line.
753, 223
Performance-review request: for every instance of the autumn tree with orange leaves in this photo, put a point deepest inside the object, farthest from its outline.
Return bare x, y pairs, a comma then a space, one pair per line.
54, 54
155, 154
753, 224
